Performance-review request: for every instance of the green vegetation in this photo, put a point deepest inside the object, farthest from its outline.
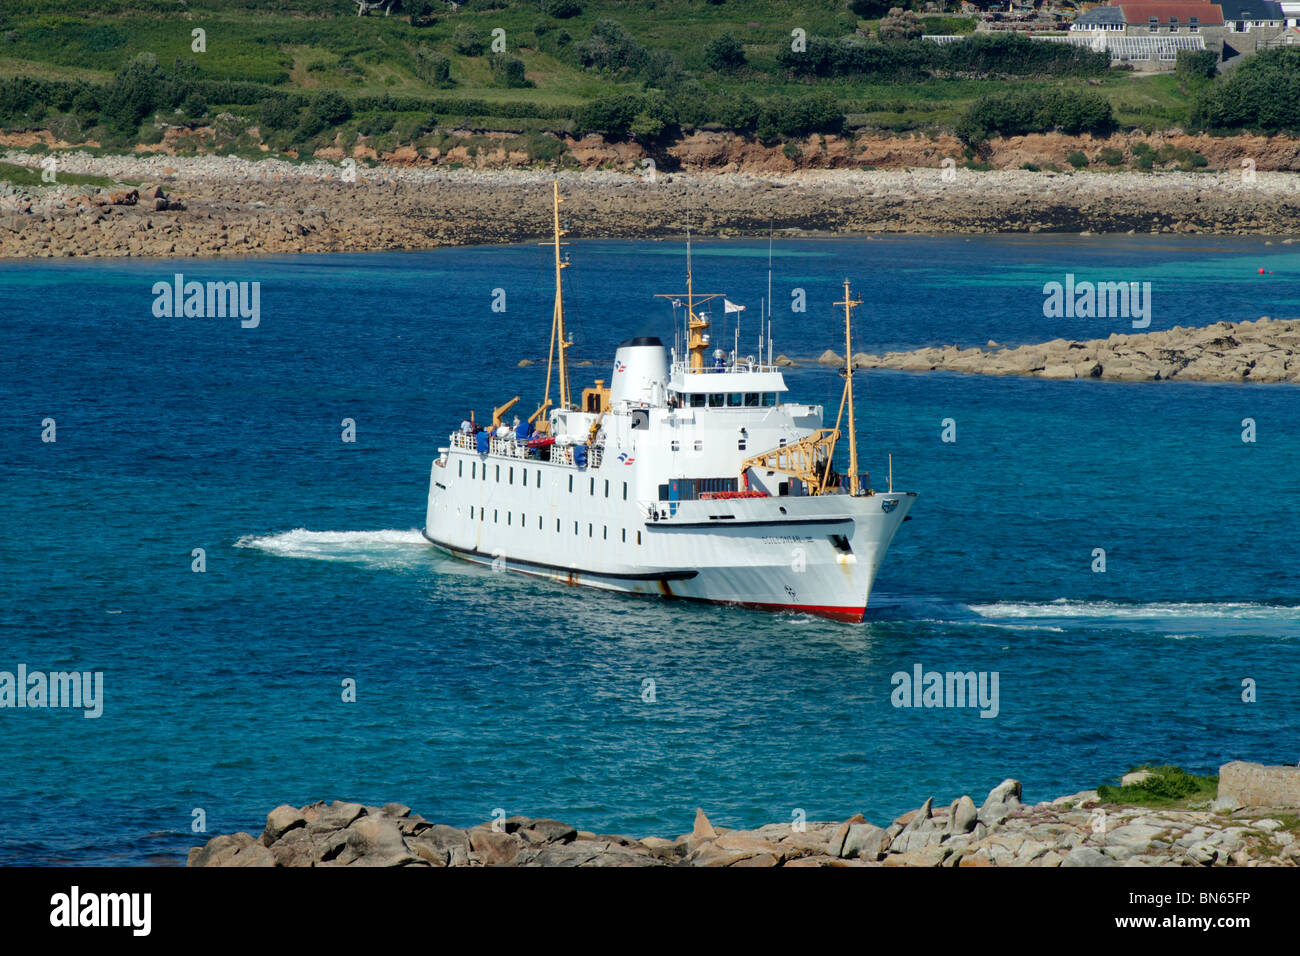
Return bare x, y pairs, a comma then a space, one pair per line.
26, 176
304, 74
1077, 159
1168, 787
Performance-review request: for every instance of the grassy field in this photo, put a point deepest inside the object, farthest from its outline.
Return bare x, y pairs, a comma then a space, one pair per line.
312, 46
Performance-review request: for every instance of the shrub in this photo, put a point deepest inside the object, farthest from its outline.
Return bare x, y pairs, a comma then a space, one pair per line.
561, 9
1035, 111
1196, 64
277, 113
1077, 159
785, 116
900, 25
724, 53
467, 41
1110, 156
508, 71
432, 67
1262, 93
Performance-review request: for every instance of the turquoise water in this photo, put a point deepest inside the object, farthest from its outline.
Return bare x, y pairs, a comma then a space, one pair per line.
478, 691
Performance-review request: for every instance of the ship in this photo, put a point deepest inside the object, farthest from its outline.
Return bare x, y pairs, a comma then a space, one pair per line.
693, 474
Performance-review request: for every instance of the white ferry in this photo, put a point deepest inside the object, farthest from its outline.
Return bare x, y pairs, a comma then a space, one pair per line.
689, 475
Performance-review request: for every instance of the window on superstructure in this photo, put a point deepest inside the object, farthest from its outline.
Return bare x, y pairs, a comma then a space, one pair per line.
717, 400
473, 469
698, 400
769, 399
471, 512
699, 444
570, 484
539, 522
736, 400
512, 474
604, 532
1153, 24
498, 478
676, 445
625, 491
606, 487
753, 399
591, 530
509, 518
740, 444
591, 487
494, 516
460, 468
523, 472
557, 525
539, 477
575, 527
638, 537
625, 535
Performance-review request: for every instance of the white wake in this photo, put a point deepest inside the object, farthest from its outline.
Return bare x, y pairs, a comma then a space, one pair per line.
389, 548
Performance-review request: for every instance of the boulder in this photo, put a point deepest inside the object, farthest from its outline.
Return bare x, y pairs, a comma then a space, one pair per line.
1257, 785
280, 821
1000, 803
703, 829
962, 815
865, 841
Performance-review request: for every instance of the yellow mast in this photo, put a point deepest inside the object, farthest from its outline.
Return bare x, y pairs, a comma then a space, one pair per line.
557, 322
848, 304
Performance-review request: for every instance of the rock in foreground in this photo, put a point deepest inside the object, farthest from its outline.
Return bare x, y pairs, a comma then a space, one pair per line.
1075, 830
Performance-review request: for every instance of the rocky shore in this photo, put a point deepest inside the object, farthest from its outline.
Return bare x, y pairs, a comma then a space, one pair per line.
1252, 822
1266, 350
222, 205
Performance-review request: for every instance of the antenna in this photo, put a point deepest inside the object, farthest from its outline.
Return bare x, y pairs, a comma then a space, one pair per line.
771, 230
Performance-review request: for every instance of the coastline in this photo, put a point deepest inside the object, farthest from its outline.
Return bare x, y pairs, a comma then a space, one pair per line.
1239, 827
211, 206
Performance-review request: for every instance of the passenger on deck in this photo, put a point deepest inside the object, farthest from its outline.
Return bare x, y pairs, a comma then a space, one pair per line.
522, 429
719, 360
466, 428
503, 430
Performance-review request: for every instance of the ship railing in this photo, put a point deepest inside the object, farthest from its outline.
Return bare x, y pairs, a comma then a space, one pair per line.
513, 448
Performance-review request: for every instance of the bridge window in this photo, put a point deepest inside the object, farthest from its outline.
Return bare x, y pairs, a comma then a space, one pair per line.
1173, 23
717, 400
736, 400
698, 400
769, 399
1194, 25
753, 399
1153, 24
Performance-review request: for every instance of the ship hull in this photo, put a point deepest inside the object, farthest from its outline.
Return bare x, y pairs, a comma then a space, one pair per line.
813, 555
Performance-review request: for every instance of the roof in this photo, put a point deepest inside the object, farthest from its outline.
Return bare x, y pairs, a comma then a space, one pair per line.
1207, 14
1251, 10
1100, 15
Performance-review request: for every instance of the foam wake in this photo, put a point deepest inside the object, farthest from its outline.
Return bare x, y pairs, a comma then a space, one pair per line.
1155, 611
377, 548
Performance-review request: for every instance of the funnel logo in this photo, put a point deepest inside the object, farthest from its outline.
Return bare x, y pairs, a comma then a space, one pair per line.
626, 459
620, 367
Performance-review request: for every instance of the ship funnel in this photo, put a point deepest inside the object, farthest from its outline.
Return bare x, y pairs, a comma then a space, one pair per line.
640, 371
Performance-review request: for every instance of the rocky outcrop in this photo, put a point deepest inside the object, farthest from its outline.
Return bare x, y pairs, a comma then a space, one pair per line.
1075, 830
226, 205
1266, 350
1255, 785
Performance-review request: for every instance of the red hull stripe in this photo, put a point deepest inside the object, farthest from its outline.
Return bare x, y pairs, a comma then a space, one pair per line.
851, 614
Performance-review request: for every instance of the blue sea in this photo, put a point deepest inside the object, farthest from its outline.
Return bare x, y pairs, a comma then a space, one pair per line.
223, 690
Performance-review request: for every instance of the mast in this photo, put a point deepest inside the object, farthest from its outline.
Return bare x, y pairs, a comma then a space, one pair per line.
557, 324
695, 324
848, 303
